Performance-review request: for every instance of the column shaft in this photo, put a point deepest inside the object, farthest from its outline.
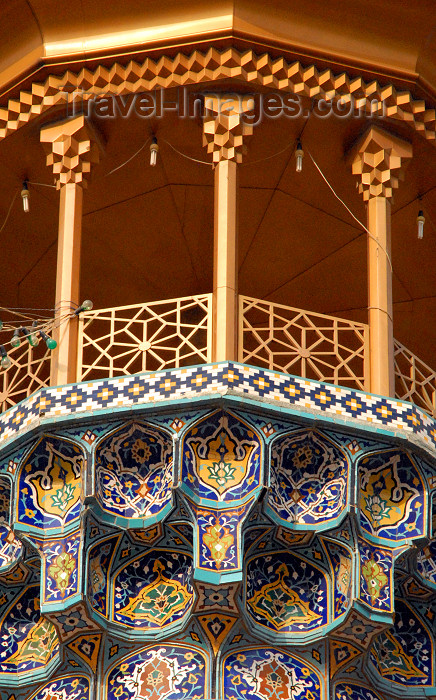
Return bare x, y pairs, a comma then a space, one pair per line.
71, 149
64, 359
380, 297
379, 160
225, 289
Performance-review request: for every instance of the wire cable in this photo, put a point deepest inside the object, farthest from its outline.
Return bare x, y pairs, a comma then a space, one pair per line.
41, 184
129, 159
350, 212
9, 211
274, 155
194, 160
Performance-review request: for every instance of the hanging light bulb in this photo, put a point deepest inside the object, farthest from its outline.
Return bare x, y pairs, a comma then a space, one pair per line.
154, 150
5, 361
299, 153
420, 220
25, 197
50, 342
31, 336
16, 342
85, 306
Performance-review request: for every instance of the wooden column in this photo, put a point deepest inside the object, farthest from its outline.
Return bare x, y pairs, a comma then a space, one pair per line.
225, 271
224, 133
71, 150
378, 161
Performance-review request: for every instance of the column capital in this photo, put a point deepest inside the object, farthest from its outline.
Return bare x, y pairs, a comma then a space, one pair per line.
378, 160
71, 148
224, 128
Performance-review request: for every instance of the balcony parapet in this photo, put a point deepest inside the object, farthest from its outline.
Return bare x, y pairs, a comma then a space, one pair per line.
304, 343
415, 381
145, 337
178, 333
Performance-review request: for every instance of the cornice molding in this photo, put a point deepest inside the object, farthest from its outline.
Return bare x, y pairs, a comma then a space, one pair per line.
213, 65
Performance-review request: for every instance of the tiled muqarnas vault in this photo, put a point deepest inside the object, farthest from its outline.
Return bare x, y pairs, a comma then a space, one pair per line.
227, 545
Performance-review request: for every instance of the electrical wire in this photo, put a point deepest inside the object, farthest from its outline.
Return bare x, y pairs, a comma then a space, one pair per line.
11, 309
206, 162
194, 160
44, 327
17, 313
350, 212
274, 155
129, 159
9, 210
41, 184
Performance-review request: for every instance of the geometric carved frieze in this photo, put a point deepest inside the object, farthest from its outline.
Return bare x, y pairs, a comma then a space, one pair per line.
71, 150
198, 67
379, 163
224, 128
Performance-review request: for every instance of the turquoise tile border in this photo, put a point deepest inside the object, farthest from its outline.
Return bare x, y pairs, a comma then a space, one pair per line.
273, 389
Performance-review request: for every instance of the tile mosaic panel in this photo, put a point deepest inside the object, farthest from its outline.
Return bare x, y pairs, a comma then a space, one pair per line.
99, 564
351, 691
29, 642
11, 549
392, 500
64, 688
426, 563
50, 486
61, 570
158, 627
164, 672
376, 576
134, 472
309, 479
342, 568
221, 458
302, 395
404, 653
219, 539
154, 590
286, 594
268, 674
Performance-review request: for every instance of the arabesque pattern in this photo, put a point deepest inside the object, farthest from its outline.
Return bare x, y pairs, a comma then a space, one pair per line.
216, 547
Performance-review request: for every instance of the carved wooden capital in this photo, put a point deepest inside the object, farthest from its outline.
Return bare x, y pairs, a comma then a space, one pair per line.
379, 162
71, 149
224, 128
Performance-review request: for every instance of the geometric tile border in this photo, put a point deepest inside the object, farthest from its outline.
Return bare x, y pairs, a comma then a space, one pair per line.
367, 411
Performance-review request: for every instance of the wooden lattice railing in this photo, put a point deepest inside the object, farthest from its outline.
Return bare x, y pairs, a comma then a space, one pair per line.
178, 332
414, 380
29, 371
303, 343
146, 337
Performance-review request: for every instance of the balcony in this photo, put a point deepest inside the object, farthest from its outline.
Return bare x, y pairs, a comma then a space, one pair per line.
173, 333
